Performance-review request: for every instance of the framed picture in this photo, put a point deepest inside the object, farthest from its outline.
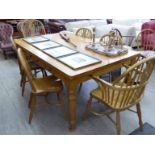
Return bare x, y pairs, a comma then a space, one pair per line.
47, 36
78, 60
46, 45
35, 39
59, 51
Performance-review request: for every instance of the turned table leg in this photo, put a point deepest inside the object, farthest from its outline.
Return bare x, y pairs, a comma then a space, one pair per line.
72, 106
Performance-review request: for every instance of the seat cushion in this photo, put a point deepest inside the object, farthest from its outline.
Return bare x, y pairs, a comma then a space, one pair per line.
78, 24
102, 30
136, 23
98, 22
127, 22
6, 45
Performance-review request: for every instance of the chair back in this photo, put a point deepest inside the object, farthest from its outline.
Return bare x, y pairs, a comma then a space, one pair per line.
146, 40
117, 32
128, 89
84, 33
26, 67
112, 39
19, 26
132, 82
6, 32
31, 27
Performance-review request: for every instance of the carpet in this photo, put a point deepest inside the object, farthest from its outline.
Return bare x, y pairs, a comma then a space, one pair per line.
147, 130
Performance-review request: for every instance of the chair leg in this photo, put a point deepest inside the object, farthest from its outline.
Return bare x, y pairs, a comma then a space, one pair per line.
35, 73
118, 126
32, 107
80, 87
23, 84
112, 76
22, 77
43, 73
4, 53
21, 80
139, 116
30, 100
59, 97
46, 98
88, 108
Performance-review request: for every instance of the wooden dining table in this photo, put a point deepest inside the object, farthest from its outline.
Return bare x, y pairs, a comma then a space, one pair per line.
72, 78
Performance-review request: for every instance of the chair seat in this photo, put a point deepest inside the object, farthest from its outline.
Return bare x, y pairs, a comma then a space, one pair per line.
33, 65
6, 45
47, 84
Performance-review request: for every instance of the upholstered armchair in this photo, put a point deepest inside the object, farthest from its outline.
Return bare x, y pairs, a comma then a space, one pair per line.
6, 32
57, 25
148, 35
146, 40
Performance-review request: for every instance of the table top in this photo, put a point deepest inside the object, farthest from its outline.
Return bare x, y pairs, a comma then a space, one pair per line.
81, 43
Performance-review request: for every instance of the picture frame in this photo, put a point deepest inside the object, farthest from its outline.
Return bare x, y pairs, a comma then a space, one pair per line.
46, 45
60, 51
78, 60
35, 39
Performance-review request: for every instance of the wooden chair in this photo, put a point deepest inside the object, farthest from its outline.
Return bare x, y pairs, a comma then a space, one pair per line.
39, 86
19, 27
84, 33
117, 32
146, 42
112, 40
124, 93
29, 28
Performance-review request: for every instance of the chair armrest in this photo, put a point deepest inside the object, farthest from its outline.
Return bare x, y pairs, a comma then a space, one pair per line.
56, 26
104, 84
101, 83
13, 44
115, 86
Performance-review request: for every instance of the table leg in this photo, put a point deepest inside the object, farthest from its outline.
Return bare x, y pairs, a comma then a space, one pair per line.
72, 106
